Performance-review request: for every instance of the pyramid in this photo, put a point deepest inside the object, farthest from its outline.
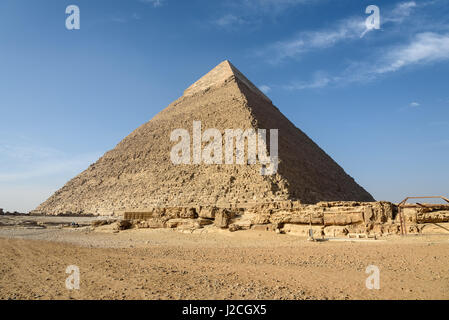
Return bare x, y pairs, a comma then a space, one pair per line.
138, 173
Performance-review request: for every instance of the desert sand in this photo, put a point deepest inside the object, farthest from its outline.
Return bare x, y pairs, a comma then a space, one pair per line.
212, 264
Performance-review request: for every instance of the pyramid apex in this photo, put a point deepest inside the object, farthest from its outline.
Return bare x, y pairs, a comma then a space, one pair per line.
218, 75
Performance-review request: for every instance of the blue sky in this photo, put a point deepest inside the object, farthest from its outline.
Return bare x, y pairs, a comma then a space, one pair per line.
378, 104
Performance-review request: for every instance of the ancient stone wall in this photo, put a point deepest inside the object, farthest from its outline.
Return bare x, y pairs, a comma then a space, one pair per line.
330, 219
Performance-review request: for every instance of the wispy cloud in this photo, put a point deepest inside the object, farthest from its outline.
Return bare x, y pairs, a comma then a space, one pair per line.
414, 104
348, 29
264, 88
320, 80
307, 41
424, 48
229, 20
400, 12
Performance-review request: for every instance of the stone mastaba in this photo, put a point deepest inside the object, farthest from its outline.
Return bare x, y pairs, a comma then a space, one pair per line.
138, 173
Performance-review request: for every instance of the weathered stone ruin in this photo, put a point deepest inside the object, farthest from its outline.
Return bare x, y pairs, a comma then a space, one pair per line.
138, 180
330, 219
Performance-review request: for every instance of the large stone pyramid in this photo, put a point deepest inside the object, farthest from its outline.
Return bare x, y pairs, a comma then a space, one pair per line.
138, 173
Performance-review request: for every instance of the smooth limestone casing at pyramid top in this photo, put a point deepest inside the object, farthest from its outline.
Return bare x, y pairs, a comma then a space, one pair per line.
139, 174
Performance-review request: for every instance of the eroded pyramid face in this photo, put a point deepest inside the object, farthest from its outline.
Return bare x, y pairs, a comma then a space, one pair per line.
142, 171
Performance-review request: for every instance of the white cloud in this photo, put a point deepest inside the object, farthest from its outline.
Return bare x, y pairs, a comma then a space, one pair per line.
264, 88
229, 20
424, 48
414, 104
311, 40
349, 29
320, 80
400, 12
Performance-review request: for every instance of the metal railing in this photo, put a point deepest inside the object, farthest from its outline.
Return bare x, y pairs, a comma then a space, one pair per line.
404, 204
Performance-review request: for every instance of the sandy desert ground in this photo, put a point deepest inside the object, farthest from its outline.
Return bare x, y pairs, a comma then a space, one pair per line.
213, 264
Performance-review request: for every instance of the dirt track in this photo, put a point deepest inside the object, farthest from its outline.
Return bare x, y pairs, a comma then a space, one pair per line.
151, 264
